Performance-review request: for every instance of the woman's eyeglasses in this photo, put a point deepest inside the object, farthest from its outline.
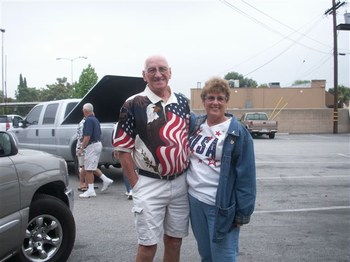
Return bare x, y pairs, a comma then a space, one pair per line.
220, 99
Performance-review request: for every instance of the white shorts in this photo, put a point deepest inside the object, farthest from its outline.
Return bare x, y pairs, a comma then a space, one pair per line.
92, 156
160, 207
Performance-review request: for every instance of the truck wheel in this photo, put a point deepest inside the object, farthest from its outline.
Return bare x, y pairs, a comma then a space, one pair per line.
272, 136
50, 233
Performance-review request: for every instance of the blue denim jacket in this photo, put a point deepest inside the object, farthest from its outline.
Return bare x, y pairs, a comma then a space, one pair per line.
236, 192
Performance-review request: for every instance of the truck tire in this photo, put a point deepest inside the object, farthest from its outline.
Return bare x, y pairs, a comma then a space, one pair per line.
50, 233
272, 135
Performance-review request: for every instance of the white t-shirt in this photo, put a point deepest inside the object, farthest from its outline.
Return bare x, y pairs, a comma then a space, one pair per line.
205, 161
80, 133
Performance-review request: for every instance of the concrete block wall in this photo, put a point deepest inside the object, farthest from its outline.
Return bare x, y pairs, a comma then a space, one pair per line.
303, 121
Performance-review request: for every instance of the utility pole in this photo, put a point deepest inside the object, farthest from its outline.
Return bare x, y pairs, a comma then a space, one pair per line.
332, 11
335, 62
2, 67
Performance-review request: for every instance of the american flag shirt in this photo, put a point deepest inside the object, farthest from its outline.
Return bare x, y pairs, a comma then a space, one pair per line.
155, 132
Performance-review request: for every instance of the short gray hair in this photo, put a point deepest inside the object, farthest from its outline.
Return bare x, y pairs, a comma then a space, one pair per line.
88, 107
155, 58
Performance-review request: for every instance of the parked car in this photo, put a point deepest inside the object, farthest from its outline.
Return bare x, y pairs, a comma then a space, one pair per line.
258, 124
6, 121
36, 220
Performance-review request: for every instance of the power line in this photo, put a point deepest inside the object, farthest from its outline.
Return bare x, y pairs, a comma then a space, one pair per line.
325, 59
268, 27
272, 59
272, 46
285, 25
334, 7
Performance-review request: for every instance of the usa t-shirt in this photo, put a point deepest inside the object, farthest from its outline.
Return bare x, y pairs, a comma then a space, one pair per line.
205, 161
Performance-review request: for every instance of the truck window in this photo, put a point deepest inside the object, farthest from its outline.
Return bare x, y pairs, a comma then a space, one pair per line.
69, 108
33, 116
50, 114
263, 117
252, 117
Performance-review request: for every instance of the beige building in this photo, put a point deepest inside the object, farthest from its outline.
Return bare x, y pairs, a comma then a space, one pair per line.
270, 98
297, 109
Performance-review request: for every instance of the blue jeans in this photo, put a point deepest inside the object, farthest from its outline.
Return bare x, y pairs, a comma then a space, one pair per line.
202, 222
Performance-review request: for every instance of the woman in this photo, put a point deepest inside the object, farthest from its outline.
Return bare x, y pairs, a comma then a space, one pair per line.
221, 178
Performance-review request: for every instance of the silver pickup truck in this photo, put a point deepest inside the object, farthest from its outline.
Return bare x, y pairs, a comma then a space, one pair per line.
36, 220
52, 126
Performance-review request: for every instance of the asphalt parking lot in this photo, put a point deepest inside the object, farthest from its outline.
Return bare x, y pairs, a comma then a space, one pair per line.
302, 208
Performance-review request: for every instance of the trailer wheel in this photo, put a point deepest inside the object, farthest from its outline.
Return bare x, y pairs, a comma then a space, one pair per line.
272, 135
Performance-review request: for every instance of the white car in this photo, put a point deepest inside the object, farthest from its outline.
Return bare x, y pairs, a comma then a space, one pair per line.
6, 121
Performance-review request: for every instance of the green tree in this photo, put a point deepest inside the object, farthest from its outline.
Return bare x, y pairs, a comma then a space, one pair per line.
87, 80
243, 82
343, 95
301, 82
25, 93
56, 91
263, 86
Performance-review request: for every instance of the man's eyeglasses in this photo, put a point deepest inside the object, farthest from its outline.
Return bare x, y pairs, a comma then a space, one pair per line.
153, 70
220, 99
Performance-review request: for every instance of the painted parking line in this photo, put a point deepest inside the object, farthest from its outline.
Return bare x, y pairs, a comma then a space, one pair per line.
301, 210
344, 155
301, 177
304, 162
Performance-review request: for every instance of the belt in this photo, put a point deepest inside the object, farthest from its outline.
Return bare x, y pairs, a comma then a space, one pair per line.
154, 175
93, 142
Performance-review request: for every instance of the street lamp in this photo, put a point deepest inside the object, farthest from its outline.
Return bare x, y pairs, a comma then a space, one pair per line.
2, 67
71, 64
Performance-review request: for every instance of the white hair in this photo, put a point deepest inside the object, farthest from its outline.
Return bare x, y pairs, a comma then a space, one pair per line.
155, 57
89, 107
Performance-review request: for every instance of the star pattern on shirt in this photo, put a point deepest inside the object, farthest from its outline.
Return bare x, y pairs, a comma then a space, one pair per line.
212, 161
180, 108
128, 126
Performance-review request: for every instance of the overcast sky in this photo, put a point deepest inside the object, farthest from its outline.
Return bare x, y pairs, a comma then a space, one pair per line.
266, 40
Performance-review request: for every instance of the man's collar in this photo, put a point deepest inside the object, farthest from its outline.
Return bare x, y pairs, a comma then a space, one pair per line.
155, 99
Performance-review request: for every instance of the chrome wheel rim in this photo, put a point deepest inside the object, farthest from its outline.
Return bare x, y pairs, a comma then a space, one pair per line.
43, 238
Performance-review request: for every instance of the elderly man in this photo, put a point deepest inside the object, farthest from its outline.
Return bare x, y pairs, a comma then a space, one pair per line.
91, 148
152, 135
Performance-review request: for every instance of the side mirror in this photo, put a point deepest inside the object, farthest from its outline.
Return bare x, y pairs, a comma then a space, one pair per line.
15, 122
8, 146
20, 123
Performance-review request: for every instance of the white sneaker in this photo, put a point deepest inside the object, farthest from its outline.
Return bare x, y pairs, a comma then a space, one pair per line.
88, 194
130, 195
106, 184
